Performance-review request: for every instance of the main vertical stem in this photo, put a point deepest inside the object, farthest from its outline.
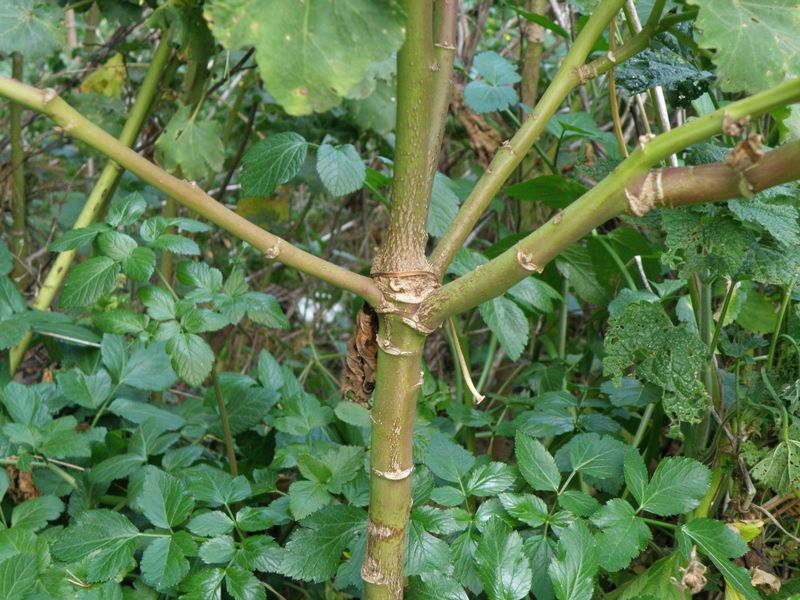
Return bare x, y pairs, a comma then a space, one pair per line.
18, 213
397, 385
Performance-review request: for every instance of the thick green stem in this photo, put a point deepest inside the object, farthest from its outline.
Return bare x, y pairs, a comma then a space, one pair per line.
397, 385
18, 216
630, 187
403, 249
102, 190
513, 151
188, 194
787, 297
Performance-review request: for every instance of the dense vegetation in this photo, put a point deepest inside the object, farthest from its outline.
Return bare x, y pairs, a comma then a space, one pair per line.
481, 299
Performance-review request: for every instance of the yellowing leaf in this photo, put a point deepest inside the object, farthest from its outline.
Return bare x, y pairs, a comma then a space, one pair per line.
107, 79
748, 528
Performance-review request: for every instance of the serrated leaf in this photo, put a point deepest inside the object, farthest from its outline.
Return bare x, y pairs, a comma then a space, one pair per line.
177, 244
165, 500
780, 220
720, 543
447, 460
435, 587
32, 27
307, 497
116, 245
425, 553
191, 357
119, 321
217, 550
191, 145
630, 392
527, 508
205, 584
781, 468
216, 487
677, 486
18, 573
89, 391
494, 92
312, 68
490, 479
125, 211
340, 168
265, 310
107, 539
755, 42
443, 206
139, 412
573, 570
635, 472
139, 266
164, 563
89, 281
314, 550
116, 467
243, 585
272, 161
623, 535
593, 454
503, 569
34, 514
210, 524
536, 464
578, 503
556, 191
507, 321
77, 238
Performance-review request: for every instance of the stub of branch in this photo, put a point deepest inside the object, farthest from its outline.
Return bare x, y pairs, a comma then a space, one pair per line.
525, 261
649, 195
394, 475
273, 251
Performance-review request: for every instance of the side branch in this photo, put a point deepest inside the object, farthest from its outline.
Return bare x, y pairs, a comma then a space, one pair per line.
632, 188
187, 193
572, 73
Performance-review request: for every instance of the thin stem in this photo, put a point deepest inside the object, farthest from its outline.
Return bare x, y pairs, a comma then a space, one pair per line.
102, 191
787, 297
491, 352
18, 211
476, 395
643, 423
617, 260
612, 94
226, 425
712, 347
191, 196
629, 187
563, 320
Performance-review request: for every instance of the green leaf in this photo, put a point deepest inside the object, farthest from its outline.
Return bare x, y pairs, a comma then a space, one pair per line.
720, 543
35, 513
191, 357
89, 391
447, 460
352, 414
116, 245
340, 168
77, 238
593, 454
177, 244
33, 27
216, 487
18, 573
217, 550
780, 470
425, 553
536, 464
163, 563
435, 587
681, 80
630, 392
490, 479
494, 92
507, 321
272, 161
265, 310
503, 569
210, 524
643, 338
443, 206
116, 467
139, 266
143, 369
307, 497
556, 191
332, 44
254, 518
635, 472
780, 220
314, 551
243, 585
578, 503
656, 582
126, 210
105, 538
120, 321
205, 584
195, 147
159, 302
138, 412
164, 500
755, 43
572, 571
527, 508
678, 485
623, 535
89, 281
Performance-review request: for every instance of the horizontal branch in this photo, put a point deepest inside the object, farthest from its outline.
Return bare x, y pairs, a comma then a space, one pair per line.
630, 187
76, 126
571, 73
